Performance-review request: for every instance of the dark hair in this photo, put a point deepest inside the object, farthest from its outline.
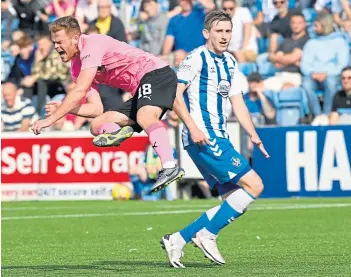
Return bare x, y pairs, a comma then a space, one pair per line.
347, 68
216, 16
298, 13
67, 23
93, 28
254, 77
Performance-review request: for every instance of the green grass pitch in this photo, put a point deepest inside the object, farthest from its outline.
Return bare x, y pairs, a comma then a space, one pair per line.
283, 238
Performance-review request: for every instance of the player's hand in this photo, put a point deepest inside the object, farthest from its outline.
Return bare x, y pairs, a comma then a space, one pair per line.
257, 141
199, 137
51, 107
40, 124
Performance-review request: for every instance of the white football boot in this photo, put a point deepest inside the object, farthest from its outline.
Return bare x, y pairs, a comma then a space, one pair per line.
173, 245
208, 242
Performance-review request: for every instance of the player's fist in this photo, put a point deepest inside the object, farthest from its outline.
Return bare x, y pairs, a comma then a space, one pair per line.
199, 137
257, 141
40, 124
51, 107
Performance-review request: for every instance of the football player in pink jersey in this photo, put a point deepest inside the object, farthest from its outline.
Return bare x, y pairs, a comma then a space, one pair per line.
100, 59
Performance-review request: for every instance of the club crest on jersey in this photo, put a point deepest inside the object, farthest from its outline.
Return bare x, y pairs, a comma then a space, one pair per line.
212, 69
236, 162
223, 88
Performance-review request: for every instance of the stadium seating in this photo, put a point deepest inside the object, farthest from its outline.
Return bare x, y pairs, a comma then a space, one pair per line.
291, 105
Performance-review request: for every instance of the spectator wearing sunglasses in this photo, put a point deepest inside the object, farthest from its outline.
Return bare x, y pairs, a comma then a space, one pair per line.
243, 43
280, 24
341, 110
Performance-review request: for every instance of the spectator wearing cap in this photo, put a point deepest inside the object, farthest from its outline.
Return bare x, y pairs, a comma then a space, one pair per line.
341, 109
188, 24
243, 43
322, 61
288, 57
107, 23
259, 105
154, 28
16, 111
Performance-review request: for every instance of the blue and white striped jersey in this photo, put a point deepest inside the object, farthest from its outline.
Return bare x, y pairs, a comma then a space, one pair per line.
212, 80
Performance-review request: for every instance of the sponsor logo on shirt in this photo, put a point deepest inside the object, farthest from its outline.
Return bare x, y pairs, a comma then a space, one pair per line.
85, 57
212, 69
185, 66
223, 88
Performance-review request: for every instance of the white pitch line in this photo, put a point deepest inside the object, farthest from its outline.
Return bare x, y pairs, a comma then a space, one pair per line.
170, 206
253, 208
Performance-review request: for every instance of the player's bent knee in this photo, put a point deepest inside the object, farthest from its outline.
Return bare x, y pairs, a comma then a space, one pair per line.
95, 125
252, 183
257, 186
148, 115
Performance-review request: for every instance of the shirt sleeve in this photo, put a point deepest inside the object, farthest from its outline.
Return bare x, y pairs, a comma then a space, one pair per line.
235, 88
246, 16
170, 28
189, 68
92, 53
28, 110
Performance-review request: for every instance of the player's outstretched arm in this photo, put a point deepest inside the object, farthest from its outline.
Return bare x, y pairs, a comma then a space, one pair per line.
182, 111
242, 114
91, 109
71, 101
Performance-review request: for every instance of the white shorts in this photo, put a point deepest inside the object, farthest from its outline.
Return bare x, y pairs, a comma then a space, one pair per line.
280, 79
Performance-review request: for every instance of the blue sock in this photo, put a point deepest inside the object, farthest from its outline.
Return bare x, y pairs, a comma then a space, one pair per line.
188, 232
233, 207
137, 184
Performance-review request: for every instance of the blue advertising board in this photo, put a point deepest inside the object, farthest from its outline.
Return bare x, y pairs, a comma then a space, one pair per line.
305, 161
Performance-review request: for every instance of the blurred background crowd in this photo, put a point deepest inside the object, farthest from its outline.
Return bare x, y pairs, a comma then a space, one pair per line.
294, 55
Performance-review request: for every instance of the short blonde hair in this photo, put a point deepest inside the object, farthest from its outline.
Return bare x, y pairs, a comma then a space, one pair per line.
67, 23
326, 20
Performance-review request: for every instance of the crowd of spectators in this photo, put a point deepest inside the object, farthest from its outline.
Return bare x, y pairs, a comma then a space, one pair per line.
293, 54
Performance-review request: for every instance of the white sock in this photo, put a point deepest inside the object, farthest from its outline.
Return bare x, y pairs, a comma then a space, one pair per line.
178, 239
211, 212
239, 200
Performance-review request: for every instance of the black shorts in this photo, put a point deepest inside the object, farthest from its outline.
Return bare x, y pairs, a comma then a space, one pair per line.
157, 88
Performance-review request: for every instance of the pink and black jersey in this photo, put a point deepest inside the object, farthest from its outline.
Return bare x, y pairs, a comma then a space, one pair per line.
119, 64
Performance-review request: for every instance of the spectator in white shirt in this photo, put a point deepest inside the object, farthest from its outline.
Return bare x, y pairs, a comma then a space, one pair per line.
243, 43
16, 111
